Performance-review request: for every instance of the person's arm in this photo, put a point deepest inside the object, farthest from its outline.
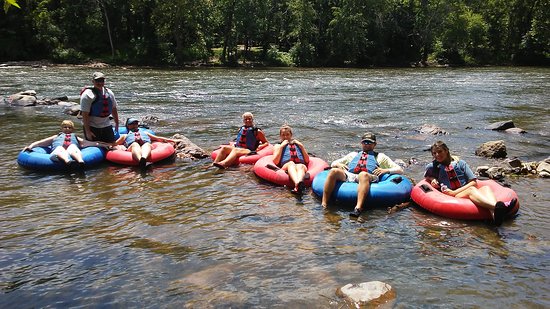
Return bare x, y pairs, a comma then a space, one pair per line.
278, 152
387, 166
41, 143
304, 151
155, 138
344, 161
263, 140
430, 177
115, 117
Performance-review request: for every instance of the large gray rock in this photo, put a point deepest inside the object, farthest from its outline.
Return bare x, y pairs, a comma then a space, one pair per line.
24, 98
372, 293
492, 149
187, 150
543, 169
501, 125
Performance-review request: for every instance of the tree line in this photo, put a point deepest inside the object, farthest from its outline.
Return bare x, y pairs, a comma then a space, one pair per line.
336, 33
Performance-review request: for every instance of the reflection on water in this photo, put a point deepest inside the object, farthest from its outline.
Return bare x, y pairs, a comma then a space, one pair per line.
185, 235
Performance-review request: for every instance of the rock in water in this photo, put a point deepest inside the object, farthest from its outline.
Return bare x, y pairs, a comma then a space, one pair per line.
372, 293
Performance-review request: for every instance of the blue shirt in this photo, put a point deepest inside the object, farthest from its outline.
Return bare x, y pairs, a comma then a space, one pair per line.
463, 172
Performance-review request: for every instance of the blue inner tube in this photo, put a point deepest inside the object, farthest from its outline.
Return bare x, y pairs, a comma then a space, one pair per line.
39, 158
390, 190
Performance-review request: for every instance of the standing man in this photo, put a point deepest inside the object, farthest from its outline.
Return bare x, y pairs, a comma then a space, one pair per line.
362, 167
97, 103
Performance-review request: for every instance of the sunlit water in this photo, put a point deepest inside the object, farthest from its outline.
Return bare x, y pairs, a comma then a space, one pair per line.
182, 235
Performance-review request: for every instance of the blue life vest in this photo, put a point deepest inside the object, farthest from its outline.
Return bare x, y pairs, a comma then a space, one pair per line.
139, 136
246, 138
291, 152
65, 140
102, 106
363, 162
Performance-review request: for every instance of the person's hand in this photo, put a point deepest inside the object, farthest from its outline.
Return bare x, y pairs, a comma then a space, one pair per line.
448, 191
435, 183
27, 149
297, 142
380, 171
284, 143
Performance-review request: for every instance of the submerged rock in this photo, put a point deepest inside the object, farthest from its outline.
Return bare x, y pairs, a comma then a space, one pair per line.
432, 129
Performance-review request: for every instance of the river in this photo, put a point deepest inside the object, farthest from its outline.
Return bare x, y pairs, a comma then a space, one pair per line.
182, 235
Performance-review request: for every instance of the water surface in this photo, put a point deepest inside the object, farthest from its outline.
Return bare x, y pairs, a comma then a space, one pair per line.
182, 235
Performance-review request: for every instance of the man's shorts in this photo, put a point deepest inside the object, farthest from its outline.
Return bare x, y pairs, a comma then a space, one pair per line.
351, 177
106, 134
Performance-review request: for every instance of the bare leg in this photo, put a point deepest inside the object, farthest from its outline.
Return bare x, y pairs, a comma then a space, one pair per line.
224, 152
333, 176
363, 189
75, 153
233, 156
146, 150
482, 197
135, 148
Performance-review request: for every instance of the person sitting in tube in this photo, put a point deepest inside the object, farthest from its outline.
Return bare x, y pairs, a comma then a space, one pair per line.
454, 177
291, 156
66, 145
249, 139
364, 167
139, 141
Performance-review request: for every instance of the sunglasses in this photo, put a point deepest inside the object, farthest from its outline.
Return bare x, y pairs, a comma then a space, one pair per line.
99, 80
367, 142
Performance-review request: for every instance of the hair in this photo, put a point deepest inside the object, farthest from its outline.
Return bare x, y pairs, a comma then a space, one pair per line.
247, 114
67, 123
441, 145
285, 127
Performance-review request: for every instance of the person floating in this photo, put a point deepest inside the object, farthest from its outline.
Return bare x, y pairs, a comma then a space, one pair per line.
454, 177
66, 145
97, 103
138, 141
363, 167
249, 139
291, 156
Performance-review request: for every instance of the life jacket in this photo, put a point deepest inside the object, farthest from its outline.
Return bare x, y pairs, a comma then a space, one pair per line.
102, 106
292, 153
450, 172
65, 140
246, 138
139, 136
364, 162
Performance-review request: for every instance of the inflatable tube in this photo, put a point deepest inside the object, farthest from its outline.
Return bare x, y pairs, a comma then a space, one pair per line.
160, 151
248, 159
390, 190
448, 206
278, 176
39, 159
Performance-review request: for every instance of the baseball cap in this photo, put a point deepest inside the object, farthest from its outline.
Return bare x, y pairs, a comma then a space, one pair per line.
98, 75
369, 137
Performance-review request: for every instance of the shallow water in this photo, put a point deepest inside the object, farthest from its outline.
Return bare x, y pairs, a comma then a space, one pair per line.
182, 235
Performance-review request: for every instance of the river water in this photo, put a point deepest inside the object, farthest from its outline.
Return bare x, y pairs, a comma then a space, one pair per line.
181, 235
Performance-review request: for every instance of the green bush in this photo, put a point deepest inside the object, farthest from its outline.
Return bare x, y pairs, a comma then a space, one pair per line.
67, 55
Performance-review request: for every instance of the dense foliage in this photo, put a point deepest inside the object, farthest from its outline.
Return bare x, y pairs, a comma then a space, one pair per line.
355, 33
